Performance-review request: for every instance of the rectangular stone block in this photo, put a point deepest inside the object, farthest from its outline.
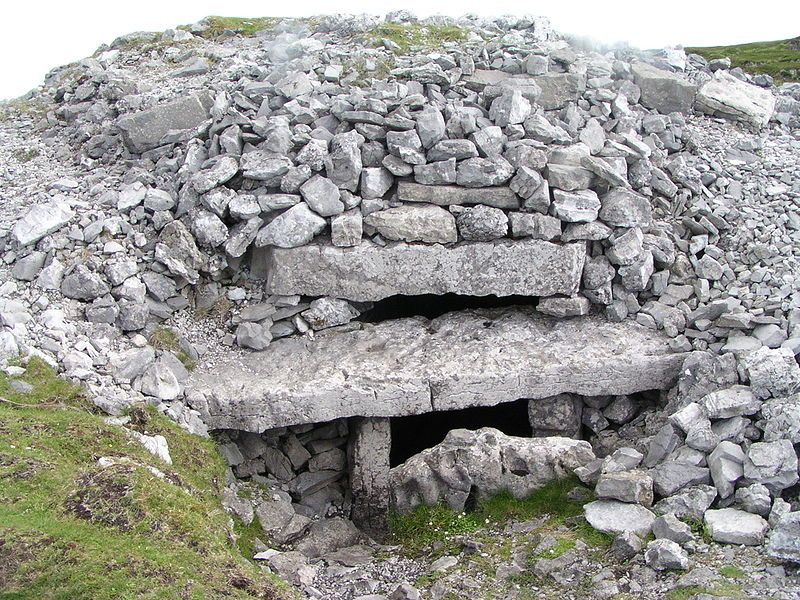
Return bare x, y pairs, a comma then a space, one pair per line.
448, 195
369, 272
144, 130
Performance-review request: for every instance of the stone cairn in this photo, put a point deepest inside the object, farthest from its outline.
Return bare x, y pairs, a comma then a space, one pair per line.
305, 157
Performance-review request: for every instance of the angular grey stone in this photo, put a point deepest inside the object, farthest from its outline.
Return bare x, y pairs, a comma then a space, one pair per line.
253, 335
509, 109
726, 96
662, 444
347, 229
535, 225
625, 546
369, 448
557, 415
784, 542
209, 229
410, 366
484, 172
671, 477
731, 402
575, 207
503, 267
754, 499
222, 171
772, 372
177, 250
726, 464
626, 486
662, 90
663, 555
132, 315
295, 227
586, 231
160, 382
558, 89
410, 223
601, 168
241, 236
626, 246
28, 267
144, 130
614, 517
564, 307
405, 145
625, 208
329, 312
480, 464
263, 165
430, 126
83, 284
569, 177
689, 503
41, 220
780, 419
772, 464
636, 276
322, 196
436, 173
375, 182
669, 527
343, 165
732, 526
482, 223
447, 149
499, 197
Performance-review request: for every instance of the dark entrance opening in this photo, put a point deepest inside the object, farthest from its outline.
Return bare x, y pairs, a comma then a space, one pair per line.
433, 305
411, 435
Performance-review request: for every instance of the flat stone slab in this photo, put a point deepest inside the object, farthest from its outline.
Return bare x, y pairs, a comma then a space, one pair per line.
449, 195
144, 130
369, 272
415, 366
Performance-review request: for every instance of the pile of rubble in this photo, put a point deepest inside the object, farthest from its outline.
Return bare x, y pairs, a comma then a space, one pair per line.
176, 171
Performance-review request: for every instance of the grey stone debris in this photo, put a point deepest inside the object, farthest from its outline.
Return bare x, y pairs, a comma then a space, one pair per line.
726, 464
575, 207
295, 380
564, 307
524, 267
731, 402
425, 223
347, 229
487, 462
626, 486
329, 312
322, 196
484, 172
535, 225
669, 527
343, 164
772, 372
253, 335
509, 109
784, 542
689, 503
625, 208
144, 130
772, 464
375, 182
441, 172
84, 284
671, 477
662, 555
430, 126
733, 526
755, 499
295, 227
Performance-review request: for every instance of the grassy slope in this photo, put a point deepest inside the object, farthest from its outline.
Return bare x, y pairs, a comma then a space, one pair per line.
780, 59
70, 529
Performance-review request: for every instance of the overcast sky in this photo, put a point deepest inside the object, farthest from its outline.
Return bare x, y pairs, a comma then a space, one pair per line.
38, 36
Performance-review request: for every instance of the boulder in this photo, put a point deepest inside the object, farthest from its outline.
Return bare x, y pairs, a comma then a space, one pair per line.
614, 517
41, 220
784, 542
482, 223
663, 91
294, 227
480, 464
626, 486
144, 130
663, 555
409, 223
447, 195
731, 98
733, 526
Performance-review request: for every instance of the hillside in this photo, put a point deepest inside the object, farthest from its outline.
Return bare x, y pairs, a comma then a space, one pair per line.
779, 59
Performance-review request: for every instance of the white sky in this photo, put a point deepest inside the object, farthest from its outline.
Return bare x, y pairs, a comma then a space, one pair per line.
40, 35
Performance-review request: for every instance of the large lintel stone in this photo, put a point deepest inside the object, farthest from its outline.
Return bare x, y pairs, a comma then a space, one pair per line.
415, 366
448, 195
370, 272
144, 130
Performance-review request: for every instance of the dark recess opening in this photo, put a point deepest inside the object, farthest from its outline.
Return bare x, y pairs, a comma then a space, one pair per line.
433, 305
411, 435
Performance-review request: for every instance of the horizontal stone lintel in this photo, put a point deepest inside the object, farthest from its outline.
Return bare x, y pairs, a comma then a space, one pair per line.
370, 272
416, 366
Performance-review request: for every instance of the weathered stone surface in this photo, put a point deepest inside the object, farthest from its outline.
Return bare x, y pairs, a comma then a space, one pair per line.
448, 195
368, 451
144, 130
732, 526
611, 516
295, 227
690, 503
41, 220
784, 542
409, 223
731, 402
626, 208
772, 464
559, 88
728, 97
662, 554
484, 172
662, 90
413, 366
482, 463
626, 486
726, 466
371, 272
482, 223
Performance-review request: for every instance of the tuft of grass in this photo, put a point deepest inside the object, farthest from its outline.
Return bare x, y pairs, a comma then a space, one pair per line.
427, 526
731, 572
721, 590
70, 528
26, 155
700, 529
780, 59
247, 27
550, 500
165, 338
415, 37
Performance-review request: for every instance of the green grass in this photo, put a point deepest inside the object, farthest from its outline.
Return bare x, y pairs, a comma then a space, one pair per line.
165, 338
415, 37
25, 156
780, 59
722, 590
70, 529
247, 27
732, 572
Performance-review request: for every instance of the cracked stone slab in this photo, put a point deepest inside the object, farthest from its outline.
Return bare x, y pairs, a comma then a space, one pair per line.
415, 366
369, 272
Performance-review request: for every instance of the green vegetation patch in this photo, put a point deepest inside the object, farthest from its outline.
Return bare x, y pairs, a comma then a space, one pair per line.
732, 572
216, 26
26, 155
165, 338
780, 59
129, 527
415, 37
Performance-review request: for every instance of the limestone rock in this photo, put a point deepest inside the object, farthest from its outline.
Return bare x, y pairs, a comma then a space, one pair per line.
784, 542
662, 90
614, 517
144, 130
732, 526
663, 555
409, 223
483, 463
482, 223
295, 227
499, 197
726, 96
41, 220
83, 284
